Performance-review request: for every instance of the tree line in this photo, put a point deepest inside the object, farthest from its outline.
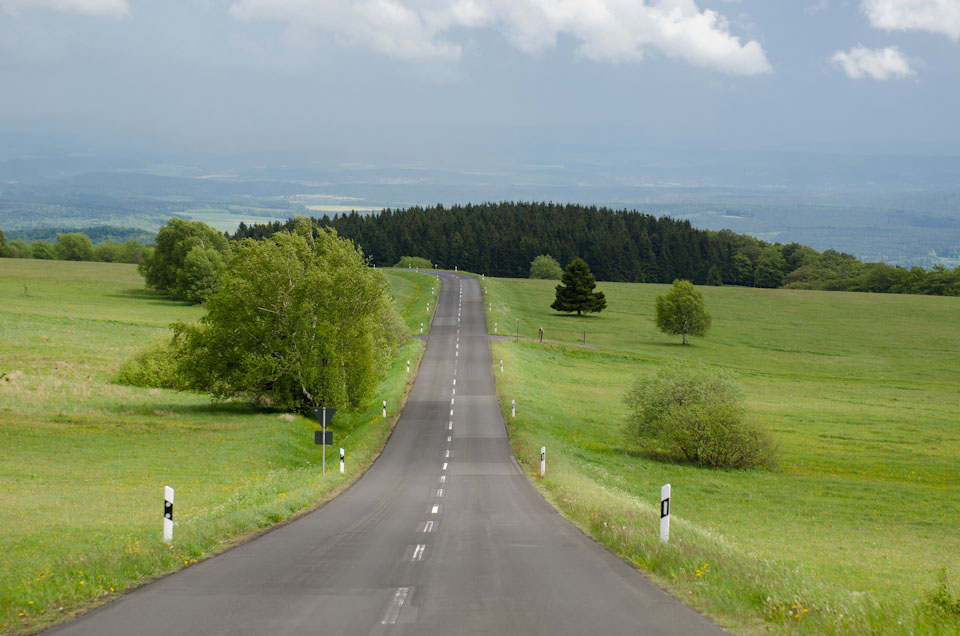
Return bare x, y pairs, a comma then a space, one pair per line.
501, 239
75, 246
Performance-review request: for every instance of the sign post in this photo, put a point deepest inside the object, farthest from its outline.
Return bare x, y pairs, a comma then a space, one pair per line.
167, 514
322, 437
342, 456
665, 513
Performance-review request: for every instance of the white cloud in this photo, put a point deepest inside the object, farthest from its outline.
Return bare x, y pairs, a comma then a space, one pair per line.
115, 8
607, 30
937, 16
879, 64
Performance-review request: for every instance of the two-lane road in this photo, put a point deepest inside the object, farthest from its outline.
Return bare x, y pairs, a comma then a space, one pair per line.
443, 535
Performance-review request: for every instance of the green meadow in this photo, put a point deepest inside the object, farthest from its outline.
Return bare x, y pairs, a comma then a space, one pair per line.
862, 393
84, 461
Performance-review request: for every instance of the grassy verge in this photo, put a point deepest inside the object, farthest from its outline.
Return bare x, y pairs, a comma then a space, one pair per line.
85, 461
847, 537
417, 297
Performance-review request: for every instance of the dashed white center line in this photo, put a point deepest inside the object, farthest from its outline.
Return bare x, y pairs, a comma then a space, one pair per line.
451, 401
393, 612
428, 527
418, 552
443, 480
450, 426
435, 509
454, 392
444, 465
439, 492
446, 453
451, 412
454, 382
449, 438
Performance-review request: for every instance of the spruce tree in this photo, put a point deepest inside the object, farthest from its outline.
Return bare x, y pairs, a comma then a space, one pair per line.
575, 291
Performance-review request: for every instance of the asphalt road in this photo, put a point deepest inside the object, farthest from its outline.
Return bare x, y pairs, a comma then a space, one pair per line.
443, 535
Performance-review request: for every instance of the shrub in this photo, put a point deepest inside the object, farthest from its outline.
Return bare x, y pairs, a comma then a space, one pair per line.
941, 601
414, 262
154, 367
74, 247
43, 250
696, 415
545, 267
109, 252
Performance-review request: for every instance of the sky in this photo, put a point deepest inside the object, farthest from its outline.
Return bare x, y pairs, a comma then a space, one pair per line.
413, 81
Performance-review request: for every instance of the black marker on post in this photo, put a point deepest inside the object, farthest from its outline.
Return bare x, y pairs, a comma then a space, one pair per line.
167, 514
665, 513
322, 437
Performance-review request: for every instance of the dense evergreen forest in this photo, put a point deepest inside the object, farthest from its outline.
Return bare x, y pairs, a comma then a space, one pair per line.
501, 239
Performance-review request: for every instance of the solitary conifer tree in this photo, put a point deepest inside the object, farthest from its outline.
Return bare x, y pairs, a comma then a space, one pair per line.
575, 291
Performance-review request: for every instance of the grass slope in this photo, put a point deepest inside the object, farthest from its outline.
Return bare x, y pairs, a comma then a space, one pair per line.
85, 461
860, 391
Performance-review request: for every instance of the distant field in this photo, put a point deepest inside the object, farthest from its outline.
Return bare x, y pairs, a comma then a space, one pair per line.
861, 391
84, 461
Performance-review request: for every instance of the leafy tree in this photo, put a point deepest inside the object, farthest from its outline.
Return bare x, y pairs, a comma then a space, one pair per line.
299, 321
109, 252
43, 251
135, 252
164, 269
681, 311
575, 291
74, 247
742, 270
771, 268
545, 267
4, 248
19, 249
199, 279
695, 415
415, 262
713, 277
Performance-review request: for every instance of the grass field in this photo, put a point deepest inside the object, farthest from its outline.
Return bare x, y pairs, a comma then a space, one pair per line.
861, 391
84, 461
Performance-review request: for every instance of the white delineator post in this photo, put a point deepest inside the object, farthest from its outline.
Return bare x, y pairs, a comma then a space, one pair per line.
543, 461
408, 366
494, 324
665, 513
421, 324
342, 456
384, 408
501, 366
513, 408
167, 514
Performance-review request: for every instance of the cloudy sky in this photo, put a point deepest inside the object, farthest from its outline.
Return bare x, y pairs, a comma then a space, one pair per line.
408, 79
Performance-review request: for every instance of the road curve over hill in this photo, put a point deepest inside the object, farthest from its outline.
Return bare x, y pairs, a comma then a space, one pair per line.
443, 535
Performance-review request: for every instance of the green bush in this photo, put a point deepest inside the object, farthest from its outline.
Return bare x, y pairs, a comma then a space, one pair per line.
74, 247
42, 250
696, 415
545, 267
154, 367
942, 601
414, 262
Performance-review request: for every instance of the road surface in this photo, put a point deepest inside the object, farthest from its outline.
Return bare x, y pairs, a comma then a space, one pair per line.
443, 535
